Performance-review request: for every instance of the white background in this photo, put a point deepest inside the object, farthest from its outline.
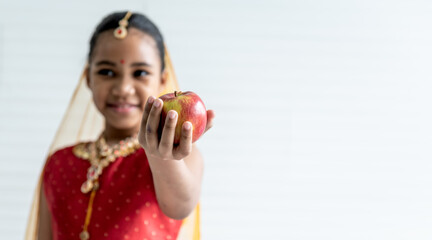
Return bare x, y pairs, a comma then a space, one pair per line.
323, 127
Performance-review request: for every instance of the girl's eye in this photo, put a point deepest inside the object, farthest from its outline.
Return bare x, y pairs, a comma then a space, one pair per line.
140, 73
106, 72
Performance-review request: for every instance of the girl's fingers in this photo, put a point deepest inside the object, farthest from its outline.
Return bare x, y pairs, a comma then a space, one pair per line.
168, 132
153, 124
147, 108
185, 146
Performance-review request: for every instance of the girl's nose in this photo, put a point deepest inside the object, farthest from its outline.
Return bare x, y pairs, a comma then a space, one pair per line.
124, 86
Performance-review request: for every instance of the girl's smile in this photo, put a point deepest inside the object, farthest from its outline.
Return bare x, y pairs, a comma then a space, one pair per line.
123, 107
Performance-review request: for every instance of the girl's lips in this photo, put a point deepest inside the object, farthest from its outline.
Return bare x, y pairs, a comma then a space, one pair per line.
122, 107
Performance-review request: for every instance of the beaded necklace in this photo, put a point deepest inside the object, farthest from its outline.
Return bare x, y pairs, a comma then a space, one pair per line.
100, 155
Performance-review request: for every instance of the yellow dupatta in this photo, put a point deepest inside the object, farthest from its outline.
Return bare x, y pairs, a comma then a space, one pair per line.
83, 122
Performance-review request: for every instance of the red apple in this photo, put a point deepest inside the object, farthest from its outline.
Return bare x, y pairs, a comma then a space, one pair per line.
189, 107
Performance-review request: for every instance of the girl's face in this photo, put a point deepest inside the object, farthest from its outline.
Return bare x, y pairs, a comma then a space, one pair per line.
122, 74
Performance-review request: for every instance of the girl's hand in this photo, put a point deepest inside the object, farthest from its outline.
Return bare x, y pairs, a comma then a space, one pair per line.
164, 149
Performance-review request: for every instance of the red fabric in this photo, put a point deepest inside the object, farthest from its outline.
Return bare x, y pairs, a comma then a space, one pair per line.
124, 207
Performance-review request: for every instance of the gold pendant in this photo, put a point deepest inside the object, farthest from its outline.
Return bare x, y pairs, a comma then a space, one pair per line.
86, 186
96, 185
84, 235
120, 32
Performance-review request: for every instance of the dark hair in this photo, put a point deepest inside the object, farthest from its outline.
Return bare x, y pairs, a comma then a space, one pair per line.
138, 21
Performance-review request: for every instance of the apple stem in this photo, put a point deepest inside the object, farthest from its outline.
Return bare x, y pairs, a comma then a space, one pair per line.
177, 93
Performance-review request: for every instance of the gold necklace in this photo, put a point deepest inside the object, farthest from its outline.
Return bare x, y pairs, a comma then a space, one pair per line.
100, 155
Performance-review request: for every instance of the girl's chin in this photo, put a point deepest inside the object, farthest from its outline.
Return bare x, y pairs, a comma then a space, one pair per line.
123, 123
127, 127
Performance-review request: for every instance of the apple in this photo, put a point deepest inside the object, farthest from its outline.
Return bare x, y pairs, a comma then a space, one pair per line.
189, 107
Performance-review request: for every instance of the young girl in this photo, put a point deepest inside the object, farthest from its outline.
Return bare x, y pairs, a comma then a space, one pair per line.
129, 183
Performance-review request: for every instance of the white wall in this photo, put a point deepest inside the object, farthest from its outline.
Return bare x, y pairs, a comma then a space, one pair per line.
323, 109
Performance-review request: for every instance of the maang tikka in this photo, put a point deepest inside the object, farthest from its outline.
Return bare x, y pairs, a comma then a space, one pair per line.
121, 31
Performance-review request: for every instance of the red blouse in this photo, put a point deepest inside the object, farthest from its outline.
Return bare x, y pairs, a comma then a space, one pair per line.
124, 207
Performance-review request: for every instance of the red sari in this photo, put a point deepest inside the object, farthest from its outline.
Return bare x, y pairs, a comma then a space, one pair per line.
124, 207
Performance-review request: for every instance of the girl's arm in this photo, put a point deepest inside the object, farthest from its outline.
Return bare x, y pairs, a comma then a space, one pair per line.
177, 171
44, 228
177, 183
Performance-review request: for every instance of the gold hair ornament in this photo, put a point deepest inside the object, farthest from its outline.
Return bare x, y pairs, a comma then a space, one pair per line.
121, 31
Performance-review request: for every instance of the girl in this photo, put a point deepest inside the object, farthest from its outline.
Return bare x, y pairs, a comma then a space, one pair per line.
129, 183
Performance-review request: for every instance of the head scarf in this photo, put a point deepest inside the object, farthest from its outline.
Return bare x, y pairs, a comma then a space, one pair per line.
83, 122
